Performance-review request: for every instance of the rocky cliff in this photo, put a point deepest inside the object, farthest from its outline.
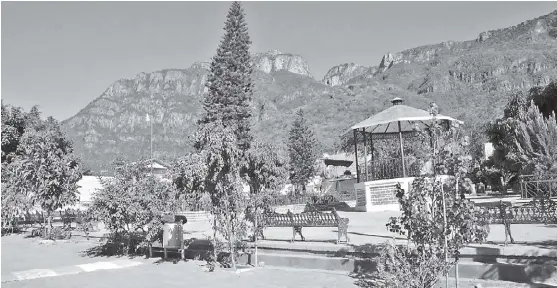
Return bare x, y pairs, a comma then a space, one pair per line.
275, 60
340, 74
469, 80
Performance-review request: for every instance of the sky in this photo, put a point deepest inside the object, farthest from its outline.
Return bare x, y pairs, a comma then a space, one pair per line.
63, 55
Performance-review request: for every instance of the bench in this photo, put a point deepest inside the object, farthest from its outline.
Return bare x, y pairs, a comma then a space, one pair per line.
538, 211
306, 219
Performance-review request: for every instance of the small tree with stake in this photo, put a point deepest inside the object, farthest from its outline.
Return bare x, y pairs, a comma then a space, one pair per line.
436, 218
221, 179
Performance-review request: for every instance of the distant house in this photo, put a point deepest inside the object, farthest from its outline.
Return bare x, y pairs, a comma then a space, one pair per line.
159, 168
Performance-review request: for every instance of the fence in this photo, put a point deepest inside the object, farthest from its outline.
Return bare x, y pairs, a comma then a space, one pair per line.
391, 168
538, 186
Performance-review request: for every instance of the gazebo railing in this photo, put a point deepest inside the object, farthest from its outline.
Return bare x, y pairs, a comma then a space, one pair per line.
391, 168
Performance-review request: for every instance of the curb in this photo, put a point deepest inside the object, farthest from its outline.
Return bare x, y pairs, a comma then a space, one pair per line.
68, 270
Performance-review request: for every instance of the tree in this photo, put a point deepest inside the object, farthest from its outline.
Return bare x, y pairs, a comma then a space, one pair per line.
266, 174
132, 202
302, 149
14, 123
505, 163
51, 169
222, 182
545, 98
435, 214
188, 176
523, 138
229, 82
535, 141
39, 167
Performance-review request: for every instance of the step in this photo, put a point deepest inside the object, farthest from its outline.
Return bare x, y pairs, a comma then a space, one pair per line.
471, 283
523, 273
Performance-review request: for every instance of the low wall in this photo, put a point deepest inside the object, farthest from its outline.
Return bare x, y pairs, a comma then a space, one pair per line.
196, 216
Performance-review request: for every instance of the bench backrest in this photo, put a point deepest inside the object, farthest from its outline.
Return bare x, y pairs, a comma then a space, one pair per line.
519, 215
315, 218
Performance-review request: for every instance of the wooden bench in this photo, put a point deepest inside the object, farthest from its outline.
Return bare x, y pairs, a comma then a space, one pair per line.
538, 211
306, 219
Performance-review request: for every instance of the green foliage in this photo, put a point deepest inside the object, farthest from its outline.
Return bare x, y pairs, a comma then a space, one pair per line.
434, 213
188, 176
303, 152
535, 141
505, 162
402, 267
229, 82
266, 173
222, 159
38, 165
266, 169
134, 202
15, 121
422, 219
545, 98
524, 138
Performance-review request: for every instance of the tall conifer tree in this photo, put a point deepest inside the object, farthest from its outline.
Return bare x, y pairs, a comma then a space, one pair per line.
229, 81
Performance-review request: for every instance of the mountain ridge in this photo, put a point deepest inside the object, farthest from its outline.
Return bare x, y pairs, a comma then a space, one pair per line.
469, 80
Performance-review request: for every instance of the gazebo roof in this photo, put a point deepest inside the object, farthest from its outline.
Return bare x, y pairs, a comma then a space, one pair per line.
387, 120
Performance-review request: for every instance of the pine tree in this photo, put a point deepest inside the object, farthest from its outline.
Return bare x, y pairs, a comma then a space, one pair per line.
302, 149
534, 141
229, 81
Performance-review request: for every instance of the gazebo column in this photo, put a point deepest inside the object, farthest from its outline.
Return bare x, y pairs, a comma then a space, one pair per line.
372, 157
401, 150
365, 154
356, 156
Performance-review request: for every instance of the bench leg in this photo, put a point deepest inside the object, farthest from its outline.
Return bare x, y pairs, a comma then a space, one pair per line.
343, 231
508, 230
298, 230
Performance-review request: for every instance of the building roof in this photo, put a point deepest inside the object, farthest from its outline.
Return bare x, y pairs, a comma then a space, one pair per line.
410, 118
157, 164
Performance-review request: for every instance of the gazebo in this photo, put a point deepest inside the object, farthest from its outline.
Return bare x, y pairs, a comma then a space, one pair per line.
396, 121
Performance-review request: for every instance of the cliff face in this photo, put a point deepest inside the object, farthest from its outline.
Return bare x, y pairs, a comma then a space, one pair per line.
340, 74
273, 61
469, 80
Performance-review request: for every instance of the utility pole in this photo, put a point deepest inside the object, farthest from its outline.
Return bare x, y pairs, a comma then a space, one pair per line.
151, 123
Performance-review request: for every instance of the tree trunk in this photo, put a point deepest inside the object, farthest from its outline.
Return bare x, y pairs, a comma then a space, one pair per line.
231, 242
48, 225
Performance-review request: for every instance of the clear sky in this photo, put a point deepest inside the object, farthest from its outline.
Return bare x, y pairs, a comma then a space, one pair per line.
62, 55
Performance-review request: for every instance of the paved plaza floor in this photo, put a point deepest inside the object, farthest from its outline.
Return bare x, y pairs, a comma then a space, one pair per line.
25, 254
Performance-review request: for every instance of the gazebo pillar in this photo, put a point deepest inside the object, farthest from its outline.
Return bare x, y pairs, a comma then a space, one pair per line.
372, 157
356, 155
365, 153
401, 150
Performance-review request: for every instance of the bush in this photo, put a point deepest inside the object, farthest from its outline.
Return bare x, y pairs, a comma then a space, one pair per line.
403, 267
132, 204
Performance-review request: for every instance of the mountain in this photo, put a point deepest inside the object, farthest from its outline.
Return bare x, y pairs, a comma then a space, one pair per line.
469, 80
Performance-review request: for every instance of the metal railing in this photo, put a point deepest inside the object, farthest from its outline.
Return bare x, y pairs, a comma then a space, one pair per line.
391, 168
538, 186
